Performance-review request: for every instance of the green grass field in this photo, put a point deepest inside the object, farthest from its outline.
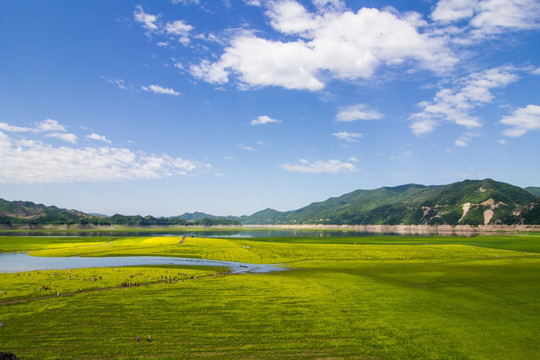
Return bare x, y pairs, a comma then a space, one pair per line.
383, 298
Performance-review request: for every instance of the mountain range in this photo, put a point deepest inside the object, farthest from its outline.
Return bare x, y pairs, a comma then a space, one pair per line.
469, 202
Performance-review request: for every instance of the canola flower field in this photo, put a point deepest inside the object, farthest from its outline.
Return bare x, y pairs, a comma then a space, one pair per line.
340, 298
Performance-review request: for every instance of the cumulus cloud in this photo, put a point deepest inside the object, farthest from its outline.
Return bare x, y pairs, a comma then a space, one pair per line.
97, 137
522, 121
160, 90
455, 104
347, 136
358, 112
179, 28
72, 138
460, 142
32, 161
325, 45
148, 21
11, 128
263, 119
319, 166
50, 125
486, 17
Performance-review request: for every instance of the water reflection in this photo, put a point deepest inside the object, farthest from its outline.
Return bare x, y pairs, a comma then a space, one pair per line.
251, 233
20, 262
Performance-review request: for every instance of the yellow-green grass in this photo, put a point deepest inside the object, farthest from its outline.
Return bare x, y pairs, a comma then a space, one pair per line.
336, 301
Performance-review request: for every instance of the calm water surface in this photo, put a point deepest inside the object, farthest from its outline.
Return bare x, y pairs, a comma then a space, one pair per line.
202, 233
19, 262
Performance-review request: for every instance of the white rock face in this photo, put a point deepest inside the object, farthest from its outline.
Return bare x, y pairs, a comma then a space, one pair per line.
466, 208
488, 214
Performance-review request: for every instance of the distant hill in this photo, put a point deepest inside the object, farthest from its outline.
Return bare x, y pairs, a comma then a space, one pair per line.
196, 216
29, 212
469, 202
534, 190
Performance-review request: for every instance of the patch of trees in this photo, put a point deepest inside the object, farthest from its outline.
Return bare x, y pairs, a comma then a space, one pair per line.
135, 221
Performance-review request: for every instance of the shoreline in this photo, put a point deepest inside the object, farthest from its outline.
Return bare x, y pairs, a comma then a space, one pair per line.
375, 229
410, 229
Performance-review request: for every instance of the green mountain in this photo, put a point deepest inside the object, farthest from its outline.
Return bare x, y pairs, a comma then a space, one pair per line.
534, 190
196, 216
27, 212
470, 202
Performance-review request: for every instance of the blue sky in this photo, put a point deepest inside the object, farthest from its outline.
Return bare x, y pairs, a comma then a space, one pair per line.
232, 106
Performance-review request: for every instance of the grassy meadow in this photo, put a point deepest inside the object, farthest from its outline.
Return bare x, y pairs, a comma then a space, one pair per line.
340, 298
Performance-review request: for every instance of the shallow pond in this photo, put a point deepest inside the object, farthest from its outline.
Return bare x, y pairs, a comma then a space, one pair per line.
19, 262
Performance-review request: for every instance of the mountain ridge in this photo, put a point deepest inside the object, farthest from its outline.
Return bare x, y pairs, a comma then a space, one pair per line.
469, 202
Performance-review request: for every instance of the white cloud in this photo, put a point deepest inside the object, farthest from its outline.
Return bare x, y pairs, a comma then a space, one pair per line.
522, 121
30, 161
50, 125
263, 119
10, 128
487, 17
453, 10
259, 62
97, 137
160, 90
50, 128
319, 166
347, 136
536, 71
72, 138
185, 2
147, 20
325, 46
118, 82
177, 28
456, 104
464, 139
358, 112
245, 147
422, 125
253, 2
181, 29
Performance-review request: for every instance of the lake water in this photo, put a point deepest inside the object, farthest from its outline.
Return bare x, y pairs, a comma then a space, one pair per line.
202, 233
21, 262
